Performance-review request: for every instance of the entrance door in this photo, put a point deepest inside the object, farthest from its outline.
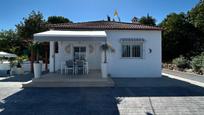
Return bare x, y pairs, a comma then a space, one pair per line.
79, 53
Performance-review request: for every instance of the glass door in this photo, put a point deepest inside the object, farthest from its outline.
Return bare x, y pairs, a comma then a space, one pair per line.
79, 53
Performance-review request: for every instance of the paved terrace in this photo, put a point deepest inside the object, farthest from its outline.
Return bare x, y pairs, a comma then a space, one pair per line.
160, 96
185, 76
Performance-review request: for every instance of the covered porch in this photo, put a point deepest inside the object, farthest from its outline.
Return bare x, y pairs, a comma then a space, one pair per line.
74, 45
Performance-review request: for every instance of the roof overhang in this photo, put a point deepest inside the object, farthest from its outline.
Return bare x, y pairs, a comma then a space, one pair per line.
54, 35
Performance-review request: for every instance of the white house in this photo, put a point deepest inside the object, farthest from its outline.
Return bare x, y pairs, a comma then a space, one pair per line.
135, 48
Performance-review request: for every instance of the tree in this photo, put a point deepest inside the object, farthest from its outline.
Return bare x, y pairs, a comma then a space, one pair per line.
179, 37
183, 33
196, 15
58, 19
10, 42
147, 20
34, 23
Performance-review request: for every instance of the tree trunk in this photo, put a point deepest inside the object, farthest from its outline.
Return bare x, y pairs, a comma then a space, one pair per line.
46, 60
31, 61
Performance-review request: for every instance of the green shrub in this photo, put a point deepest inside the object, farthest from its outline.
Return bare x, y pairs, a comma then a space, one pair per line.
197, 63
181, 62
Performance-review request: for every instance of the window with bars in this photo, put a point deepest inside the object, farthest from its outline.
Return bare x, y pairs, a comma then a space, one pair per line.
132, 51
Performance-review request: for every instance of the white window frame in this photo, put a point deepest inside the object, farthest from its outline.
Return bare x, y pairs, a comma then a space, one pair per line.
83, 53
141, 44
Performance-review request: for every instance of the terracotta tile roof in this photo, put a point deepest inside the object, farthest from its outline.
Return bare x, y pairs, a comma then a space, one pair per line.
101, 25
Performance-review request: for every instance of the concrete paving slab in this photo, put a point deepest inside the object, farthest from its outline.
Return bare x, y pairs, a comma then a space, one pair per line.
163, 96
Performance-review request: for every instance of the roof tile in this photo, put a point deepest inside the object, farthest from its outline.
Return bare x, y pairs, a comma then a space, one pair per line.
101, 25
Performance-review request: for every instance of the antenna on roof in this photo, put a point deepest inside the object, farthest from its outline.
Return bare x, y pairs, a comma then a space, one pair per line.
116, 14
108, 18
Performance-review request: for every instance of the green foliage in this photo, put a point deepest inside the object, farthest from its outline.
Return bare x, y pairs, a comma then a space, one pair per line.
183, 33
36, 48
106, 47
57, 19
179, 37
196, 15
10, 42
24, 57
197, 63
34, 23
147, 20
12, 63
181, 62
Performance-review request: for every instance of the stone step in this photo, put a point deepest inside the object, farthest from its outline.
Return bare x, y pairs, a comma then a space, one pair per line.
80, 83
73, 80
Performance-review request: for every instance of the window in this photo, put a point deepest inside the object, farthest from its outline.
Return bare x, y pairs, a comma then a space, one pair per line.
79, 53
132, 51
136, 51
125, 50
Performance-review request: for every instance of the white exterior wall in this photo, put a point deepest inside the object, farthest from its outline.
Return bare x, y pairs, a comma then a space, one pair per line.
26, 66
93, 57
149, 66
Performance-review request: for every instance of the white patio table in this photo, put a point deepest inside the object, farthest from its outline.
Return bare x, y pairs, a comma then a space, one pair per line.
86, 67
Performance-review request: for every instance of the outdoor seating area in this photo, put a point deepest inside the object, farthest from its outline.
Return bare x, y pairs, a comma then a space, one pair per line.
75, 67
5, 64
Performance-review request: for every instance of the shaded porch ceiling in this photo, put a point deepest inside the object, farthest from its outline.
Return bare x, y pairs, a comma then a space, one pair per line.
54, 35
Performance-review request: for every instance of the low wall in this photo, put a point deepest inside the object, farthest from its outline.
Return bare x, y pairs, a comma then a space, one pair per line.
26, 66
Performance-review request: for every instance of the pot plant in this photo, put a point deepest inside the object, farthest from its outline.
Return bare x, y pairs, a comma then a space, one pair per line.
12, 66
105, 47
35, 48
19, 69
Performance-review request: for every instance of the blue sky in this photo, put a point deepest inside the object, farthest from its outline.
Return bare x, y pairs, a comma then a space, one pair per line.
12, 11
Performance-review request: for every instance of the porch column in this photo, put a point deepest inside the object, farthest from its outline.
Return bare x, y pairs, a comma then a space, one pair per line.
104, 70
52, 56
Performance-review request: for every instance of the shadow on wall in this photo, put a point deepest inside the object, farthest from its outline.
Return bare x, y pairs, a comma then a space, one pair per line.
84, 101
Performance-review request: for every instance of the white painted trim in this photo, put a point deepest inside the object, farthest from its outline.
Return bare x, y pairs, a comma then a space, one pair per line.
54, 35
184, 79
80, 45
72, 33
52, 56
141, 44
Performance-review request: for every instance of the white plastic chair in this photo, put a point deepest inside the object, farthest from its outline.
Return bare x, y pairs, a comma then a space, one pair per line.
69, 66
79, 66
86, 67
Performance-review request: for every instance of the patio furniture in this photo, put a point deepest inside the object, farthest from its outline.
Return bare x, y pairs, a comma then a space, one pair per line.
79, 66
69, 66
62, 67
5, 64
75, 66
86, 67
